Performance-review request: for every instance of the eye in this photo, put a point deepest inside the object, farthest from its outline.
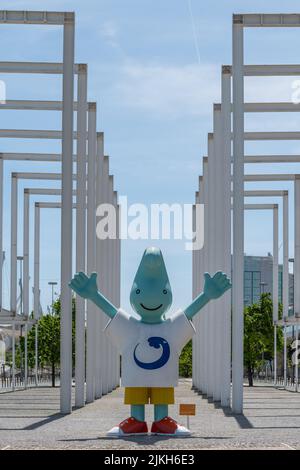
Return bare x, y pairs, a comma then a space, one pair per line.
137, 291
165, 291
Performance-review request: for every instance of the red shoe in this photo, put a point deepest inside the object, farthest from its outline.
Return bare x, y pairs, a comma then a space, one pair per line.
169, 427
129, 427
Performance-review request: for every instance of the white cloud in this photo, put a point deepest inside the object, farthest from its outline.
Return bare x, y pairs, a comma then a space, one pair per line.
169, 89
269, 89
109, 32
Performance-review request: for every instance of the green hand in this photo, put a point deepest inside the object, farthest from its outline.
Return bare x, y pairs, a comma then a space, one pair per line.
85, 286
215, 286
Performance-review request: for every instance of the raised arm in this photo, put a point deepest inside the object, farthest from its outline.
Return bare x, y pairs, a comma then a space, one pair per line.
87, 288
214, 287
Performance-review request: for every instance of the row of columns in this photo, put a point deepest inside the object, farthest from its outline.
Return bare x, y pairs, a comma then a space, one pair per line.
218, 345
96, 362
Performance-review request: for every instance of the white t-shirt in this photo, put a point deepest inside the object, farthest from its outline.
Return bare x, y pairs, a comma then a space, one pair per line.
150, 352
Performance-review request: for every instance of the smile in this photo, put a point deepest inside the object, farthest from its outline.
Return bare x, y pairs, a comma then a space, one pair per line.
147, 308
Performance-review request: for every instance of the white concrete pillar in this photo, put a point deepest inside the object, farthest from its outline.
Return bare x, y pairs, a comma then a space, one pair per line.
91, 253
110, 286
211, 267
80, 232
284, 357
275, 285
285, 268
218, 242
194, 380
104, 279
100, 316
297, 246
26, 355
13, 356
13, 243
115, 286
36, 365
200, 266
26, 254
1, 230
66, 217
36, 283
205, 310
118, 281
36, 263
296, 357
226, 222
238, 218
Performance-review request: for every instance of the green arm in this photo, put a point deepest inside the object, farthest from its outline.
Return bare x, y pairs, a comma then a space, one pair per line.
214, 287
197, 304
87, 288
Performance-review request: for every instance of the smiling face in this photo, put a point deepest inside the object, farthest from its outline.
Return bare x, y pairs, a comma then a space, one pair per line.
151, 294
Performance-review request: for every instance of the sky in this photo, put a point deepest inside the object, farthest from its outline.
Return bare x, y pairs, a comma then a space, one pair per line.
154, 70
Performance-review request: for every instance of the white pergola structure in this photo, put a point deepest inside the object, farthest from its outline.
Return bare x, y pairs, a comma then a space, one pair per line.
218, 189
67, 20
102, 177
200, 337
238, 71
204, 371
217, 223
88, 171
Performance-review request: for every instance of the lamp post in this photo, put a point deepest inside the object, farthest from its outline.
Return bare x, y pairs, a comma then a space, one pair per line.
52, 284
262, 287
20, 258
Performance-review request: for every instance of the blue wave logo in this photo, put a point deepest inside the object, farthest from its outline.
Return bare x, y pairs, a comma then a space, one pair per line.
155, 342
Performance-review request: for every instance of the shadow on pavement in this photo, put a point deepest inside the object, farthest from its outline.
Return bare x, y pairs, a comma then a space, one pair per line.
148, 440
38, 424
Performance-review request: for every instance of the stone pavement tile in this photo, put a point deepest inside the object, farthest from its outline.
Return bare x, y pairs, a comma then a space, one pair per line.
30, 419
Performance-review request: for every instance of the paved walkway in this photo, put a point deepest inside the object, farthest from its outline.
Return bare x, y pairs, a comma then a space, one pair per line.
30, 419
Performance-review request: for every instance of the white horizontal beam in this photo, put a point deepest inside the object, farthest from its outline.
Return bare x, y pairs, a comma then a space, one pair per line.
34, 105
51, 205
269, 177
266, 193
263, 207
268, 20
265, 135
250, 207
45, 191
14, 321
272, 158
52, 68
32, 134
288, 321
36, 17
44, 105
288, 107
34, 157
38, 176
266, 70
271, 135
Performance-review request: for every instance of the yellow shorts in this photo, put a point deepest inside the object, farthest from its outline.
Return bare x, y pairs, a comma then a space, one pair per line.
145, 395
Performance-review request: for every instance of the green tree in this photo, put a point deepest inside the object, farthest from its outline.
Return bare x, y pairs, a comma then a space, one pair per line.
48, 344
48, 341
185, 361
259, 334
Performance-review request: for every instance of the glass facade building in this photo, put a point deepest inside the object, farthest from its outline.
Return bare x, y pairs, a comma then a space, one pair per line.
258, 279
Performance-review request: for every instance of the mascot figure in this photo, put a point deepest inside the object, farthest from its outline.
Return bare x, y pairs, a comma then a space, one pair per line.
150, 345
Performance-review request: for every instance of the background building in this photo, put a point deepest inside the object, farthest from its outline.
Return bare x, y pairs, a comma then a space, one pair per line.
258, 279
